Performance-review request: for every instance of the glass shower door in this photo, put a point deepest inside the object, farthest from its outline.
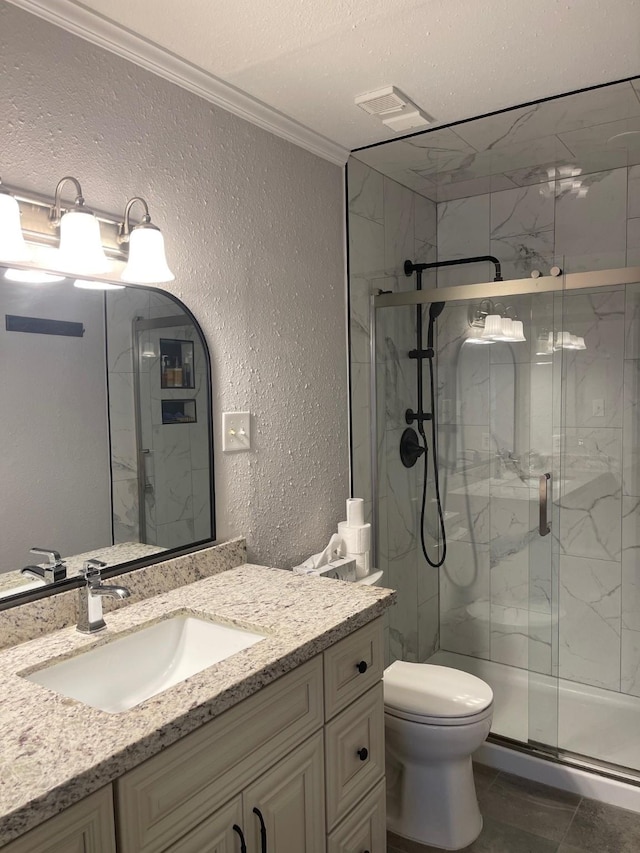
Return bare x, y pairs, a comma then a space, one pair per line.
491, 609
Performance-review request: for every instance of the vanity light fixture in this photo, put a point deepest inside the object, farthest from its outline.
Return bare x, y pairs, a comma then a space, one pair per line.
147, 262
42, 239
80, 248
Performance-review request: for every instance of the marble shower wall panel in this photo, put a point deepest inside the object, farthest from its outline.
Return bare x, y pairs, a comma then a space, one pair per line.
403, 618
533, 227
522, 222
591, 494
593, 377
630, 665
388, 224
590, 621
590, 232
465, 606
633, 220
464, 231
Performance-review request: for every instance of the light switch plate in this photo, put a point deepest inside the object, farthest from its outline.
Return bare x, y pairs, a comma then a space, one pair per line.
236, 431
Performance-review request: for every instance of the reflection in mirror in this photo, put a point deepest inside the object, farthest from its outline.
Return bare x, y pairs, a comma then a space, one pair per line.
105, 421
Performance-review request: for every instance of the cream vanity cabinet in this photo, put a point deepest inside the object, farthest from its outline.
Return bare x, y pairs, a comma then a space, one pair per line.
86, 827
296, 768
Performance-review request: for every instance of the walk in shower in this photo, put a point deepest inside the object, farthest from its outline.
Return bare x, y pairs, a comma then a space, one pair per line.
537, 398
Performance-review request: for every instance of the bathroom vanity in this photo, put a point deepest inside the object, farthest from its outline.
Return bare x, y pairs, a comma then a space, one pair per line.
279, 747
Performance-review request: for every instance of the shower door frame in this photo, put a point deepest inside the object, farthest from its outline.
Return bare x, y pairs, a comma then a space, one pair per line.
564, 282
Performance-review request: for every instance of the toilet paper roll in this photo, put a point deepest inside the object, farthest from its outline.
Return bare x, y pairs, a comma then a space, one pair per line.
363, 564
355, 512
357, 540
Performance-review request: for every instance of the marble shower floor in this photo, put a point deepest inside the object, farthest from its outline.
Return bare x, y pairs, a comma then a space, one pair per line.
526, 817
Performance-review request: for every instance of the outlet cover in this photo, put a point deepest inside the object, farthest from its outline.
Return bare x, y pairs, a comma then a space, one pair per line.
236, 431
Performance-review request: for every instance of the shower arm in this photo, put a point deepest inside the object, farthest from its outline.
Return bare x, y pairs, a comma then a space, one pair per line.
410, 267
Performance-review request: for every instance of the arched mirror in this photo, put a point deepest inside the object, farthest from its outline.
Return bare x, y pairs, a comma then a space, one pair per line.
106, 429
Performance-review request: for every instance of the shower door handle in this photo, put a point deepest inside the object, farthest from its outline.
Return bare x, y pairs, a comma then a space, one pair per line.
545, 524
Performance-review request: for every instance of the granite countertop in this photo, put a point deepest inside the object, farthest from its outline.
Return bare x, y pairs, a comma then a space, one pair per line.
54, 751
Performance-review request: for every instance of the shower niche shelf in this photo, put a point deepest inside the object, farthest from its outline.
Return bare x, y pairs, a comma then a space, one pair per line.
179, 412
176, 363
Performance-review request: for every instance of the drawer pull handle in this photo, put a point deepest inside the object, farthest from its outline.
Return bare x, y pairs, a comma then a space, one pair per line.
362, 666
363, 753
243, 844
263, 831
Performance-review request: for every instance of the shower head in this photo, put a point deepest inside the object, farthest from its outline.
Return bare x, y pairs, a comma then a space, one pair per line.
435, 310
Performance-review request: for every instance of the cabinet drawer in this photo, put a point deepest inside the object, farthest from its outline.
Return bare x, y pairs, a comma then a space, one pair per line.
365, 829
171, 793
86, 827
352, 666
350, 771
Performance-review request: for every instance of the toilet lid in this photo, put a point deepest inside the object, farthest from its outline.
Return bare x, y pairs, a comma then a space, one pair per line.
426, 690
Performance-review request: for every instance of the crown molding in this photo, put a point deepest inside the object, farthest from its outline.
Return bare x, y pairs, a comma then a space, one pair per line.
95, 28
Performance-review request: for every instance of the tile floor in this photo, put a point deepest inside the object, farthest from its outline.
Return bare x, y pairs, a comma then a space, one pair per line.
525, 817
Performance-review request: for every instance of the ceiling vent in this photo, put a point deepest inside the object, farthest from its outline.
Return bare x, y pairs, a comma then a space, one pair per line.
393, 108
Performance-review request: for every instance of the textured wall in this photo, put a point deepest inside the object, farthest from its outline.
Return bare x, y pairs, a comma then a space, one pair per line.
254, 229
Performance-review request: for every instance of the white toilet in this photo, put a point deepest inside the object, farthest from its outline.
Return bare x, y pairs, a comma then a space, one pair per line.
435, 718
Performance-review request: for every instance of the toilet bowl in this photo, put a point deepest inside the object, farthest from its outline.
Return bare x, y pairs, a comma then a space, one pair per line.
435, 718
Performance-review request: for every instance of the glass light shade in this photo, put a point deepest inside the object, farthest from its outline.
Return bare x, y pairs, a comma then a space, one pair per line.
506, 332
148, 350
492, 327
96, 285
475, 336
544, 345
147, 262
80, 244
32, 277
12, 244
518, 331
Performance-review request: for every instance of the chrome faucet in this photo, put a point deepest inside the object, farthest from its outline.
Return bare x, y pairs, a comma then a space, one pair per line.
56, 569
90, 597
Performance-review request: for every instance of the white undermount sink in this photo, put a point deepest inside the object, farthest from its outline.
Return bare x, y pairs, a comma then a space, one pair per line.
122, 673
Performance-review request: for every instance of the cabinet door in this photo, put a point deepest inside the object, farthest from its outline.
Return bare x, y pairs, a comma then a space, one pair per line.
216, 834
86, 827
364, 830
290, 799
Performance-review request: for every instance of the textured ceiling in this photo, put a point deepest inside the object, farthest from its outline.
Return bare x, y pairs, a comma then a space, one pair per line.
454, 58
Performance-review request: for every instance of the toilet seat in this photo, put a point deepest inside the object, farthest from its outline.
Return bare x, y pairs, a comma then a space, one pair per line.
435, 695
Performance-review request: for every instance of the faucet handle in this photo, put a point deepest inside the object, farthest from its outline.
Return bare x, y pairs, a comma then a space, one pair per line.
54, 557
91, 570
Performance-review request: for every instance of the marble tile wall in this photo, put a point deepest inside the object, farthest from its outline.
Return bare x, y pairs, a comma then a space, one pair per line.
388, 224
537, 226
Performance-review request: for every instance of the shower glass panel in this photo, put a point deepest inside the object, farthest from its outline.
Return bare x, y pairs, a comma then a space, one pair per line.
493, 604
